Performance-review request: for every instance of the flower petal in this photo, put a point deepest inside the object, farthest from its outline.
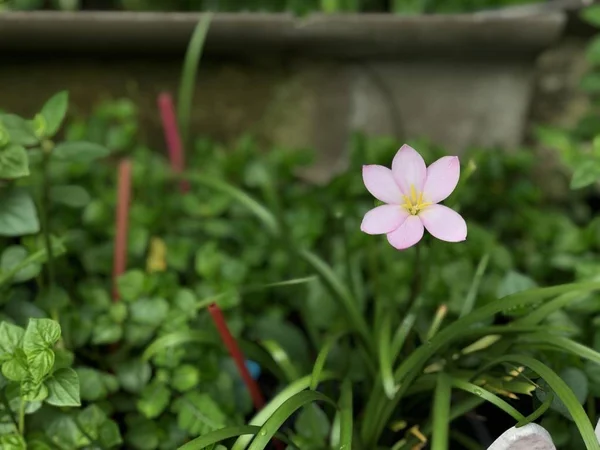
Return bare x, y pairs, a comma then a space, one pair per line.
380, 183
597, 430
407, 234
383, 219
409, 169
444, 223
531, 436
442, 178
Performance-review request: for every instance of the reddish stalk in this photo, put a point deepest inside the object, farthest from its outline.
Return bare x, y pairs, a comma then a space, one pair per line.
122, 223
172, 138
176, 157
237, 356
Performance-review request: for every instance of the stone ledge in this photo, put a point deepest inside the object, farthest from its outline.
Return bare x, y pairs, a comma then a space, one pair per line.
239, 34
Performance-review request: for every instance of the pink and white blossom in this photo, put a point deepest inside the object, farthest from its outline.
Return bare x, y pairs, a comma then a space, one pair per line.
412, 193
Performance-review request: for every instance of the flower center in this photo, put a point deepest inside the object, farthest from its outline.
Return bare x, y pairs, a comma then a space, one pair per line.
414, 203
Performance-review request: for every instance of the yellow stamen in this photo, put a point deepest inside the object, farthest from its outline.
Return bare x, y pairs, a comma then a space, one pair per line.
414, 203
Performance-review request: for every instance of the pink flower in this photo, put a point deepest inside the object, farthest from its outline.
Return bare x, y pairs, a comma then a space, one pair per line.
412, 192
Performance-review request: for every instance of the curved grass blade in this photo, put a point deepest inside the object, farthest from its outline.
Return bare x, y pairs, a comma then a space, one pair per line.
281, 358
538, 412
177, 338
262, 213
488, 396
321, 359
292, 389
562, 390
472, 294
441, 412
346, 419
562, 343
188, 75
214, 437
341, 292
405, 327
386, 357
283, 413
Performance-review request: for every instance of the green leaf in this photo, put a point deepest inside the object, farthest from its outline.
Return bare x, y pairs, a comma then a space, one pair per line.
197, 413
12, 257
81, 152
154, 399
63, 388
11, 338
40, 336
131, 285
18, 215
133, 375
590, 83
92, 384
73, 196
33, 390
13, 162
18, 129
109, 435
15, 368
149, 311
106, 331
177, 338
586, 173
591, 15
54, 111
64, 432
12, 442
185, 377
142, 435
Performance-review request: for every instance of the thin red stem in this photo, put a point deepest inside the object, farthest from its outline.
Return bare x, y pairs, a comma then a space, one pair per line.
237, 355
122, 223
172, 137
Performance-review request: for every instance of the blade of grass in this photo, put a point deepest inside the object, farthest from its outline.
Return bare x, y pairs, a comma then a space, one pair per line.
177, 338
283, 413
281, 358
474, 288
441, 412
321, 359
261, 417
385, 357
562, 343
538, 412
214, 437
346, 417
188, 75
488, 396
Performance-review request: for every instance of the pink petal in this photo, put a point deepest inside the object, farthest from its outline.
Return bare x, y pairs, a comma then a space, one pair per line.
383, 219
409, 169
442, 178
380, 183
407, 234
444, 223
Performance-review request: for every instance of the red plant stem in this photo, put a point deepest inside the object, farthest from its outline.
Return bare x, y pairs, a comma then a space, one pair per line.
172, 137
122, 223
237, 355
